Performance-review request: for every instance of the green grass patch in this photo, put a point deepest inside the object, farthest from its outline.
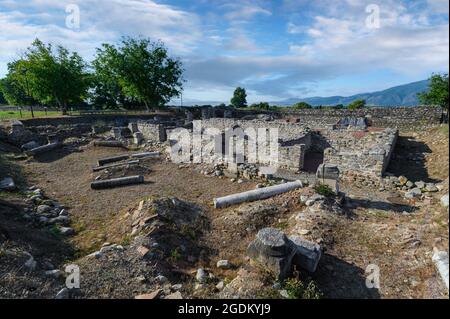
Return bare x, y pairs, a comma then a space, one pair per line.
16, 115
324, 190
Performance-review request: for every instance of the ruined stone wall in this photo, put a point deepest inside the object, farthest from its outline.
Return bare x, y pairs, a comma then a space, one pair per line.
152, 132
292, 142
397, 117
360, 152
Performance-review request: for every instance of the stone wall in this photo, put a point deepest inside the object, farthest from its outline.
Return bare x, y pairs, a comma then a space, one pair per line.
152, 132
360, 152
396, 117
292, 142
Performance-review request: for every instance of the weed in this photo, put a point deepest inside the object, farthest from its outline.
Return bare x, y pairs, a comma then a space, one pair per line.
296, 289
324, 190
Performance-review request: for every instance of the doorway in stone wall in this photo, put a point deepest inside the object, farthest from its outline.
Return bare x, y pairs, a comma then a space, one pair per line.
312, 161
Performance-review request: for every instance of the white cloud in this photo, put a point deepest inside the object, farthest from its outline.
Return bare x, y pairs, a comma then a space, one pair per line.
239, 11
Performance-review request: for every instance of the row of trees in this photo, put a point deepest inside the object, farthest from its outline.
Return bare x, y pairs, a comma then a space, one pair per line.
133, 73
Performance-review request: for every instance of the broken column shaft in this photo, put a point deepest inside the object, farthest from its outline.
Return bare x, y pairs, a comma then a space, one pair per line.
256, 194
44, 148
112, 159
121, 181
109, 143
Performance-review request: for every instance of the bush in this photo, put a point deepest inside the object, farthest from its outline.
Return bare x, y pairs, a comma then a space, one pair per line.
357, 104
302, 105
296, 289
324, 190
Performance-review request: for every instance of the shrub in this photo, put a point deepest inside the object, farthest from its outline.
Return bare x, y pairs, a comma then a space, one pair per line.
302, 105
357, 104
296, 289
324, 190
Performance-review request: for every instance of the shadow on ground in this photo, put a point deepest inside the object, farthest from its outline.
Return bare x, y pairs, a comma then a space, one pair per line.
339, 279
396, 204
408, 160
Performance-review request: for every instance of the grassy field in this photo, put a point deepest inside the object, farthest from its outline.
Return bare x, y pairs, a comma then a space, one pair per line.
11, 115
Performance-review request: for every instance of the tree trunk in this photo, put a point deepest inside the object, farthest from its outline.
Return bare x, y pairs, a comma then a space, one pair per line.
146, 105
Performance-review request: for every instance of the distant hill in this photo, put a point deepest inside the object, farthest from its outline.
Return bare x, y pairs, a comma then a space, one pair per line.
402, 95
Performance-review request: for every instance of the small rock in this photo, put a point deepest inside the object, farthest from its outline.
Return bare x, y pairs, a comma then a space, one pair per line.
201, 275
7, 184
30, 264
402, 180
63, 220
177, 287
223, 264
152, 295
67, 231
43, 209
63, 212
431, 187
43, 219
161, 279
409, 184
304, 232
143, 251
415, 192
220, 285
420, 184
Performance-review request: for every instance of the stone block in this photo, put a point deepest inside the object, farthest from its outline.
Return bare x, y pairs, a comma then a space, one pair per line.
328, 171
274, 251
307, 253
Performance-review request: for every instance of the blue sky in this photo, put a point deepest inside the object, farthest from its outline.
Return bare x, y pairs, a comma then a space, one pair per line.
275, 49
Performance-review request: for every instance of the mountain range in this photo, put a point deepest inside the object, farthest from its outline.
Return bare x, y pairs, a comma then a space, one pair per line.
402, 95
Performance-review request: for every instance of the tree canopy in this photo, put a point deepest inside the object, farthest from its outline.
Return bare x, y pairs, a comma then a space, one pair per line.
357, 104
302, 105
438, 91
137, 69
239, 98
55, 77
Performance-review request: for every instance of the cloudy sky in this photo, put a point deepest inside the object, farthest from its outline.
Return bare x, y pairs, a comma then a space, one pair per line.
275, 49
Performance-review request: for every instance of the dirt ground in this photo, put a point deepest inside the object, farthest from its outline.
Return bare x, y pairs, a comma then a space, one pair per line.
398, 238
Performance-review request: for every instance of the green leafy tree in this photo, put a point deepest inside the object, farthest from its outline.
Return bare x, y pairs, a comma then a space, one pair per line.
357, 104
338, 106
52, 76
239, 98
141, 70
15, 86
302, 105
261, 106
437, 93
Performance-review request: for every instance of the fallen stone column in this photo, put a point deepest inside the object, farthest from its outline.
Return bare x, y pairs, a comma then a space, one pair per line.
109, 143
114, 182
44, 148
96, 169
256, 194
145, 154
112, 159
